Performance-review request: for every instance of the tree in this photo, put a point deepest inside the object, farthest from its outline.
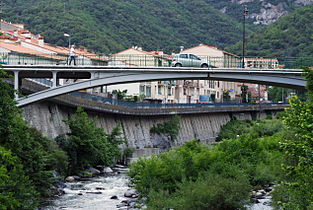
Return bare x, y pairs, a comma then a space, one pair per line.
30, 149
16, 190
87, 145
297, 186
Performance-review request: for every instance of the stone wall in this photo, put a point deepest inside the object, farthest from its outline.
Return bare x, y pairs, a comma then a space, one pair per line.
48, 118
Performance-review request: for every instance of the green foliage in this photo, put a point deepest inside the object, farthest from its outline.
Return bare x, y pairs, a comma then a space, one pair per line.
290, 36
111, 26
296, 190
210, 190
232, 129
16, 190
33, 151
87, 145
171, 127
197, 176
120, 94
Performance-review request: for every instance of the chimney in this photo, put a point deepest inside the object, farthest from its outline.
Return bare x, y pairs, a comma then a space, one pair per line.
41, 41
28, 39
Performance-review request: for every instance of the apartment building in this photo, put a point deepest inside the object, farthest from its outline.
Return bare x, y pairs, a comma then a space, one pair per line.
213, 89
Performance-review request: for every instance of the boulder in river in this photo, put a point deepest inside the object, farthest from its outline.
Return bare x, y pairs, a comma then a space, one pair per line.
130, 193
93, 171
107, 170
70, 179
114, 197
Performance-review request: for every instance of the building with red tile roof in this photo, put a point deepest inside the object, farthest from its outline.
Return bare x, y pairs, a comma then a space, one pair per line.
19, 44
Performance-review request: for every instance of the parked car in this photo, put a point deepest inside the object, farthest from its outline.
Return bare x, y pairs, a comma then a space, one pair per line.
188, 60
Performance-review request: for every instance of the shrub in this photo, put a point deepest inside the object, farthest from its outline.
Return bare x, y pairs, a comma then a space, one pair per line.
210, 191
171, 127
232, 129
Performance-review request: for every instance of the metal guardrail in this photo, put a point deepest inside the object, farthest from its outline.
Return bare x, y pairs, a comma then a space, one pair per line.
153, 60
111, 101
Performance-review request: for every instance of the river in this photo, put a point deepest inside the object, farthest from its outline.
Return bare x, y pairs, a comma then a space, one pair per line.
94, 193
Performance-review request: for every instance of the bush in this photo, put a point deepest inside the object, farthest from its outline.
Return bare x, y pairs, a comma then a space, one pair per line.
210, 191
232, 129
171, 127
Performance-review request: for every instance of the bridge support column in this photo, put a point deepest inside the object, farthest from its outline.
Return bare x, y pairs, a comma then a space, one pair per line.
92, 75
54, 74
16, 83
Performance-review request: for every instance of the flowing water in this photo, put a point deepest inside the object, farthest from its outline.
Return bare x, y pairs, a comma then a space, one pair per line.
93, 194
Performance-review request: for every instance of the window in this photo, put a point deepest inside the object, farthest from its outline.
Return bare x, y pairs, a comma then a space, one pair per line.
142, 89
159, 90
148, 91
183, 56
194, 57
169, 91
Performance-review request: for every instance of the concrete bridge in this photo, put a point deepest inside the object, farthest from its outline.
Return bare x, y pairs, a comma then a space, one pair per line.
109, 75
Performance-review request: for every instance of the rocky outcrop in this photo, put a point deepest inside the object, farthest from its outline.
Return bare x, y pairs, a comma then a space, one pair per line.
265, 12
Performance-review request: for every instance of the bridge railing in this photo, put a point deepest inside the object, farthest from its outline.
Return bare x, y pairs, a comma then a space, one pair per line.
111, 101
152, 60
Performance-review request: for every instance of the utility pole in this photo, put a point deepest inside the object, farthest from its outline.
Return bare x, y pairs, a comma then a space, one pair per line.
245, 13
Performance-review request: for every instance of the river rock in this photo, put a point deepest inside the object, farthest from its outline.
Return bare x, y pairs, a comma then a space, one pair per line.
107, 170
114, 197
70, 179
130, 193
97, 192
120, 205
94, 171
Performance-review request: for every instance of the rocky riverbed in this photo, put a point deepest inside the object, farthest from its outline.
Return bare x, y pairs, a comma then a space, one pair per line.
105, 192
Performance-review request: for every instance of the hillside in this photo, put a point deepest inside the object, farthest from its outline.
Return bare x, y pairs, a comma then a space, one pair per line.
261, 12
109, 26
290, 36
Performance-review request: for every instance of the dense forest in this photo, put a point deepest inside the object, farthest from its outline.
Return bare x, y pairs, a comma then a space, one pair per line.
110, 26
290, 36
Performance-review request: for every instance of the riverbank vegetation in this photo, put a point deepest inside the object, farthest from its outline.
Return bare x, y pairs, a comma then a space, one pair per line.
87, 145
30, 162
251, 155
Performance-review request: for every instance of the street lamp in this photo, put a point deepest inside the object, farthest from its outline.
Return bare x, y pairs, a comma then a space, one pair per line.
69, 40
69, 43
245, 13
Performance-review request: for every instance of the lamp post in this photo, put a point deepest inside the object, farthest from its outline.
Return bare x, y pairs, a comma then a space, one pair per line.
245, 13
69, 40
69, 43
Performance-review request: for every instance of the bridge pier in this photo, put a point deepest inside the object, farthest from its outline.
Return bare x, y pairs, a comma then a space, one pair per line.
54, 75
16, 83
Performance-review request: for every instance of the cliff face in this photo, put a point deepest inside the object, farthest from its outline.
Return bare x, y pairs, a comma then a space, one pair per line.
263, 12
48, 118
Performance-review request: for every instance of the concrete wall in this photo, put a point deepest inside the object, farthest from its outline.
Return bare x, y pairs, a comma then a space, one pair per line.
48, 118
